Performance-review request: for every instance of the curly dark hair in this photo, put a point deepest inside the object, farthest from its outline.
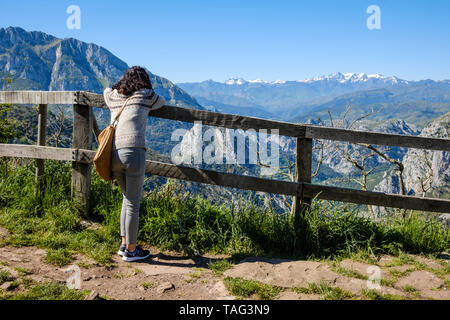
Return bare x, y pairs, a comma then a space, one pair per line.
134, 79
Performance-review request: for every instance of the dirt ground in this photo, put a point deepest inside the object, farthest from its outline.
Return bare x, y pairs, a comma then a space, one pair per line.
171, 276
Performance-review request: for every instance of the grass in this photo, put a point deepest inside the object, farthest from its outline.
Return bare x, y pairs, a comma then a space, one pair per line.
325, 290
84, 265
174, 220
442, 272
193, 276
246, 288
147, 285
388, 282
46, 291
32, 290
375, 295
59, 257
364, 256
399, 274
120, 275
409, 288
347, 272
447, 282
401, 260
219, 266
22, 271
4, 276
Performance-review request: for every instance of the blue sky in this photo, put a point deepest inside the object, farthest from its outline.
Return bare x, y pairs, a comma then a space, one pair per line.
280, 39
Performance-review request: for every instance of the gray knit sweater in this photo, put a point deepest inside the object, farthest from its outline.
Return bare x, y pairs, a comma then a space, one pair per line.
130, 130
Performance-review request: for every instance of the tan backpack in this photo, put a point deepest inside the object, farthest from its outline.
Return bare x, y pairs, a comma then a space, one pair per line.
102, 159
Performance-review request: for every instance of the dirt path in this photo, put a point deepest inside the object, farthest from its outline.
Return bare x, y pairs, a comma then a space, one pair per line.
172, 276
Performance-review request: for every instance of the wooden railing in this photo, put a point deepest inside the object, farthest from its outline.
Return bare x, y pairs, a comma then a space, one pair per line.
301, 189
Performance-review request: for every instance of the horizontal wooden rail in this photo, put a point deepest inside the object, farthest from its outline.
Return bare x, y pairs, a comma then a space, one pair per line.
299, 189
233, 121
46, 153
53, 97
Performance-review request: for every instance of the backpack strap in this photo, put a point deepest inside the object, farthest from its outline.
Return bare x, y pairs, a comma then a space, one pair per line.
116, 119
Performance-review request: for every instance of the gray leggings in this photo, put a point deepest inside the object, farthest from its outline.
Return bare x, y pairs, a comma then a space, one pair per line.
128, 167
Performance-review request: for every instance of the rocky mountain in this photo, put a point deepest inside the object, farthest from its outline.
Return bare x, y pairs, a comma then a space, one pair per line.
337, 163
38, 61
426, 172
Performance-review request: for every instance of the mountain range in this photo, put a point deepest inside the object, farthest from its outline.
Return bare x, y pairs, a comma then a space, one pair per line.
298, 101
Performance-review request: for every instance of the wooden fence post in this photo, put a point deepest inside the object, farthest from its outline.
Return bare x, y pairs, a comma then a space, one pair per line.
302, 172
41, 141
81, 172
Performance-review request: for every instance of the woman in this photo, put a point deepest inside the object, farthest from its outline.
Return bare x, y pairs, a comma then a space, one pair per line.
128, 153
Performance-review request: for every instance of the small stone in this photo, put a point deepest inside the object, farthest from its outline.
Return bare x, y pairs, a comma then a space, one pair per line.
87, 278
164, 287
92, 296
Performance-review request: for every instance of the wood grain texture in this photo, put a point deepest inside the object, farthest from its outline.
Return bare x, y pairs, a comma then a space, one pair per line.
303, 168
221, 179
376, 198
36, 152
230, 121
377, 138
307, 190
81, 171
41, 141
38, 97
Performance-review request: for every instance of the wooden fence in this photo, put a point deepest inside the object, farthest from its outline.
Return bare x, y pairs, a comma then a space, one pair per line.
301, 189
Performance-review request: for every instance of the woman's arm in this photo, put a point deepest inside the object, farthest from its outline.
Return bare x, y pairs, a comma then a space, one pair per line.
106, 93
157, 102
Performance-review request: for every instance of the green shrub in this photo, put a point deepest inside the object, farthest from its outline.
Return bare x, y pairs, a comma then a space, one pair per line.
417, 234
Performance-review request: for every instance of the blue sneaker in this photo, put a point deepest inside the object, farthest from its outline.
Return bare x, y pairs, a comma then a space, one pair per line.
122, 249
137, 254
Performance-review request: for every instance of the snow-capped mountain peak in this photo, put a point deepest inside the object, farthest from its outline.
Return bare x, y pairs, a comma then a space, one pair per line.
236, 81
354, 78
335, 77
